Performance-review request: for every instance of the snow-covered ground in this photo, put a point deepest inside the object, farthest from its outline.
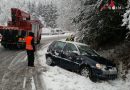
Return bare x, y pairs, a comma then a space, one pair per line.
55, 36
56, 78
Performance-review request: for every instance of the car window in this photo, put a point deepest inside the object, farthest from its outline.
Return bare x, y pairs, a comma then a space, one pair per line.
59, 45
70, 47
86, 50
51, 45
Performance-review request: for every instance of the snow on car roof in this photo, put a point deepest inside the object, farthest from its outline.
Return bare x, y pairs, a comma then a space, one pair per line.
73, 42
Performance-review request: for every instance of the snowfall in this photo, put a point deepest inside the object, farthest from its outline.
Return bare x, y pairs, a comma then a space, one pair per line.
56, 78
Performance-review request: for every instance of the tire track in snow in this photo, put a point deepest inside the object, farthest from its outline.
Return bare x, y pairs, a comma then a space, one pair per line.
13, 79
6, 56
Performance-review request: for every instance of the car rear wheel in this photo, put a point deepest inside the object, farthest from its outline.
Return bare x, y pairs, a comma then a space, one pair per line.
49, 61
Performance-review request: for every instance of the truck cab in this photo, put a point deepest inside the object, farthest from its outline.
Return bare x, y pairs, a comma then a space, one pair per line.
14, 34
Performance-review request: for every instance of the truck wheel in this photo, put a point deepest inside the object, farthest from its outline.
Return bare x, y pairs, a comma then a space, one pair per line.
10, 47
5, 46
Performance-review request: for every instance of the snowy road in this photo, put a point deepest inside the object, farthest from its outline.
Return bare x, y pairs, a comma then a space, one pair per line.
6, 57
14, 74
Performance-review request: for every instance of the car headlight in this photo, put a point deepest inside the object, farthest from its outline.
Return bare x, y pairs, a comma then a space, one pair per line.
100, 66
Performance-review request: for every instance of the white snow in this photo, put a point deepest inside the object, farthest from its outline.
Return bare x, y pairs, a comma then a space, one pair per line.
46, 31
57, 78
55, 36
20, 61
33, 85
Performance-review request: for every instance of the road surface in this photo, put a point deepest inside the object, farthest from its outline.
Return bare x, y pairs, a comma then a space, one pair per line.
14, 73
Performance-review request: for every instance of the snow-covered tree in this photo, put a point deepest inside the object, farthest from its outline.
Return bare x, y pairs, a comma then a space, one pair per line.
5, 6
46, 12
40, 9
50, 15
126, 19
67, 10
100, 27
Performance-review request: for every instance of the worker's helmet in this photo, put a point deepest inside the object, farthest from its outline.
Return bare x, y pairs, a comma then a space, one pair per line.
31, 34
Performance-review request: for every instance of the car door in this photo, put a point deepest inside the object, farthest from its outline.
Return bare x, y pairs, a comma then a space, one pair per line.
50, 50
57, 50
69, 57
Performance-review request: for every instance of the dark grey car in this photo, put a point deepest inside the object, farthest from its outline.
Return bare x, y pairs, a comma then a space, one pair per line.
80, 58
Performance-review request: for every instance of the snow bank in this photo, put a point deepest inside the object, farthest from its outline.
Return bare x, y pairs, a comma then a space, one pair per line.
55, 36
59, 79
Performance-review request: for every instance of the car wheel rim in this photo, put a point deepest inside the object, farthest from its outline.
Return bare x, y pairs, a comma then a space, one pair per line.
49, 61
85, 72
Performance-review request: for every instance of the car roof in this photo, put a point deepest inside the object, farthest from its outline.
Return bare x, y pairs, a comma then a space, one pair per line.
75, 43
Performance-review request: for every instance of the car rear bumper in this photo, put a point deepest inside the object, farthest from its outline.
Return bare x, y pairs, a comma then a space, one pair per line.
107, 75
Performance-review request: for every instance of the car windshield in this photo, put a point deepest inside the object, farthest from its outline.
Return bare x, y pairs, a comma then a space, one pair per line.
85, 50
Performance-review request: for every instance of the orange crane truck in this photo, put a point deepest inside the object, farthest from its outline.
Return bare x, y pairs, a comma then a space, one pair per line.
13, 35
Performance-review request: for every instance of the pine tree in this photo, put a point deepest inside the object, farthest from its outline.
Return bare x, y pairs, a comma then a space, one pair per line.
50, 15
47, 12
100, 28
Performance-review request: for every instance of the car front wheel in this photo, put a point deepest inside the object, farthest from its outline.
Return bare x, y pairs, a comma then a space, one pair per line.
86, 72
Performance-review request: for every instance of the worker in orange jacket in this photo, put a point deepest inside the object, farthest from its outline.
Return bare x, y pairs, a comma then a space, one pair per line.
30, 48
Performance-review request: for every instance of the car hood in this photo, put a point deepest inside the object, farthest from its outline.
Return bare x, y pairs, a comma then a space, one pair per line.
100, 60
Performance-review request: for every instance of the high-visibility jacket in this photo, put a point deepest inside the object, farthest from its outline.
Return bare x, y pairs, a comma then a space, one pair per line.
28, 43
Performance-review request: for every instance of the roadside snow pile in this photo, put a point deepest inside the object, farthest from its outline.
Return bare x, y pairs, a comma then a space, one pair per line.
57, 78
55, 36
60, 79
